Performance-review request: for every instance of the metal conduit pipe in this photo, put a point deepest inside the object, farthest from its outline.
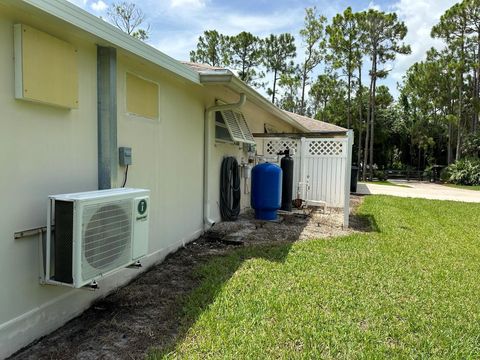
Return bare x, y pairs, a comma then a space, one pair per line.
207, 221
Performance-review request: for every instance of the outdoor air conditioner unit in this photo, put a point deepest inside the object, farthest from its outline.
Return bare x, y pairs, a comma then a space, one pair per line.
92, 234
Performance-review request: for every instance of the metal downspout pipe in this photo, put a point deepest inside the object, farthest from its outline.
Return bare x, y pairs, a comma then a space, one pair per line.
207, 221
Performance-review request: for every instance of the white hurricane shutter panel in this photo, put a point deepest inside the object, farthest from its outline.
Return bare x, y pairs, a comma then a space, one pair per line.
247, 135
237, 126
232, 125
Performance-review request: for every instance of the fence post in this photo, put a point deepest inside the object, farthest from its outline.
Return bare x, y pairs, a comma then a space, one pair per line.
302, 159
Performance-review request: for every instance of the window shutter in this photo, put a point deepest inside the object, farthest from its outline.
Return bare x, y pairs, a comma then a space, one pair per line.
242, 123
232, 125
237, 127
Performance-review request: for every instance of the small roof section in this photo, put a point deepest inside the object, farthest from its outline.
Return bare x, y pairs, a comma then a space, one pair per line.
303, 122
315, 125
221, 76
204, 67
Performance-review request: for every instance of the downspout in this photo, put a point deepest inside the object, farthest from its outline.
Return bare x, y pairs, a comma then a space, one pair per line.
107, 117
207, 221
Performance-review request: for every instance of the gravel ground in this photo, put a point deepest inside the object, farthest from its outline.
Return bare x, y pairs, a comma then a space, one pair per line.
146, 312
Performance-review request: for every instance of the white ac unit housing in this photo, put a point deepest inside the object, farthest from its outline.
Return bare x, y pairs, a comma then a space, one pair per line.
92, 234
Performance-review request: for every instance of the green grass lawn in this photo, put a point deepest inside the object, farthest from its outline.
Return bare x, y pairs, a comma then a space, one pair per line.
411, 289
384, 182
466, 187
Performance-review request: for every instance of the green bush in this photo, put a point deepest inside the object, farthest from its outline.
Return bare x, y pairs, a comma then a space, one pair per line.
463, 172
380, 175
471, 145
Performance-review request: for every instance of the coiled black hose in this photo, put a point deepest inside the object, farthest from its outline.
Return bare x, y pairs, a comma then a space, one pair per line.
229, 189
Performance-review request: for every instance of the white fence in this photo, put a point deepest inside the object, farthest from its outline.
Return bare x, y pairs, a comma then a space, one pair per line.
325, 163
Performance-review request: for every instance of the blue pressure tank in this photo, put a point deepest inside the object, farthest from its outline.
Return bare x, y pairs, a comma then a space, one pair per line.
266, 197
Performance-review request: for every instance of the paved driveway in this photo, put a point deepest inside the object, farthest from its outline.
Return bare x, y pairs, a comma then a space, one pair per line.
417, 189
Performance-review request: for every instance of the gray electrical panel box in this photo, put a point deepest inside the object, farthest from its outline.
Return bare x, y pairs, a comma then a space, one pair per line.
125, 156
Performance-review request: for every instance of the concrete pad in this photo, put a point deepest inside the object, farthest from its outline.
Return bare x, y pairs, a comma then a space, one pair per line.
420, 189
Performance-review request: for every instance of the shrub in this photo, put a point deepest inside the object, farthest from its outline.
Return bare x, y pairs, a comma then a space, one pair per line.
471, 145
380, 175
463, 172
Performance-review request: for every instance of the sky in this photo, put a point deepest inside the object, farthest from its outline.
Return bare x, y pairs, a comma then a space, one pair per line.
176, 24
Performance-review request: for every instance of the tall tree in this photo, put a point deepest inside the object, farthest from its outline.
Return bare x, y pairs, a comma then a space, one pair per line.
344, 41
427, 100
453, 29
472, 11
313, 37
326, 92
382, 36
129, 18
247, 52
213, 49
360, 103
290, 82
277, 58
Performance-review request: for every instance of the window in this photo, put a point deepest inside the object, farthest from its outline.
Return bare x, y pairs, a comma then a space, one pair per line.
221, 130
231, 126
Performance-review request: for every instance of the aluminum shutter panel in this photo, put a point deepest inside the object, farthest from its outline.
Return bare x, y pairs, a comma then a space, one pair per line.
242, 123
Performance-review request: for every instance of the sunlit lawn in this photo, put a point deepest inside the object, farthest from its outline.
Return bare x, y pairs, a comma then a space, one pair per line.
409, 290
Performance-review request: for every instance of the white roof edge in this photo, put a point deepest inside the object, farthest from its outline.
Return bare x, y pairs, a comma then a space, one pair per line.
228, 78
89, 23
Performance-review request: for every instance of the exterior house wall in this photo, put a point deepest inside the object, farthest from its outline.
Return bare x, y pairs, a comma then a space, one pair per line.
43, 150
167, 154
46, 150
256, 118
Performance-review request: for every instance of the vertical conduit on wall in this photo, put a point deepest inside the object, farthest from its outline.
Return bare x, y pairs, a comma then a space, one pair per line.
107, 117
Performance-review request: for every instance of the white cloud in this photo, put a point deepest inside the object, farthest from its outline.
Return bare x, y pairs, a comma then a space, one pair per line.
419, 17
187, 3
176, 45
372, 5
99, 6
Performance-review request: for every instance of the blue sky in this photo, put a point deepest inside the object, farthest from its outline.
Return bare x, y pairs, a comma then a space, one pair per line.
176, 24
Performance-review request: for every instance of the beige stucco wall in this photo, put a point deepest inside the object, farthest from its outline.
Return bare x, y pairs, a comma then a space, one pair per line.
46, 150
43, 150
167, 153
256, 118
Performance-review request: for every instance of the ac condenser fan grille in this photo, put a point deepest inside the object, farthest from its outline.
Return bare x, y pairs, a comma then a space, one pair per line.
106, 237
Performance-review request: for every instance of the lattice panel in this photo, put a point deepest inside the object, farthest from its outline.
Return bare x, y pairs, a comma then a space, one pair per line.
273, 147
326, 148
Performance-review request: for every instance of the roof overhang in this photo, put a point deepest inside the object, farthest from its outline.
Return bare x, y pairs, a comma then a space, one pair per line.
104, 33
228, 79
322, 134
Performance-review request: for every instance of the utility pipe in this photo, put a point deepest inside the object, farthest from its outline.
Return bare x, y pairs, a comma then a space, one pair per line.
207, 221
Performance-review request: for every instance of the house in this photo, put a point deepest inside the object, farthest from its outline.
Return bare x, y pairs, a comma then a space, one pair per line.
73, 89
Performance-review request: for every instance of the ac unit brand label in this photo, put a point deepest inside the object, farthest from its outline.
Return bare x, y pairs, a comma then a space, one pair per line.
142, 206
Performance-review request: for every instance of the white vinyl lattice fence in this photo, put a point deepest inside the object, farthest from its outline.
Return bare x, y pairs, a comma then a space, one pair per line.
322, 162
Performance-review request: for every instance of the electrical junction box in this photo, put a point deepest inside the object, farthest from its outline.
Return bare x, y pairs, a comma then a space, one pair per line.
125, 156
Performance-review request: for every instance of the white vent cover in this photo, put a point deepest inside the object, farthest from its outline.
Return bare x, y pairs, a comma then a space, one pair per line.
237, 126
